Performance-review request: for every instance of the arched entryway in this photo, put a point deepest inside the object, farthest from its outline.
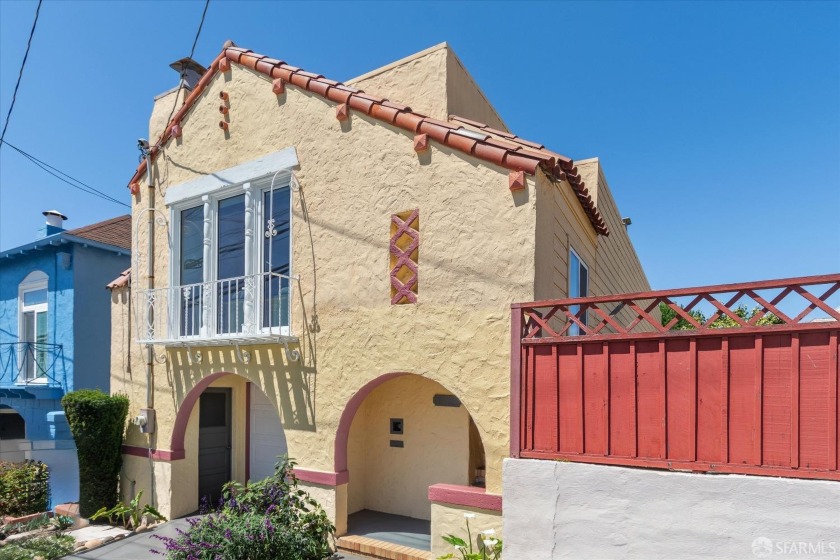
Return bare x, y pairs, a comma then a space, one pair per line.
400, 434
232, 430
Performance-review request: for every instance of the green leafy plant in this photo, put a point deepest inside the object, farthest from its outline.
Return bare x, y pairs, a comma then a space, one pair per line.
97, 421
61, 522
129, 515
271, 518
488, 546
47, 547
24, 488
24, 527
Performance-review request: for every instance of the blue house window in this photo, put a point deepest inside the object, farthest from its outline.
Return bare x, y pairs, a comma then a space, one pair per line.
33, 334
578, 288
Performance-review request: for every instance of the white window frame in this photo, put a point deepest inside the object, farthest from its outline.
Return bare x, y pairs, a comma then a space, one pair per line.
575, 330
258, 186
34, 281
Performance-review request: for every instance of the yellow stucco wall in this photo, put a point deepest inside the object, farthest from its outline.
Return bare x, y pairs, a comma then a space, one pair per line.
476, 256
482, 247
449, 519
436, 448
433, 82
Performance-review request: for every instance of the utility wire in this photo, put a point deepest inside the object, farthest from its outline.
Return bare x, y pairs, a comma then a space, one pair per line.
200, 25
192, 52
20, 73
60, 175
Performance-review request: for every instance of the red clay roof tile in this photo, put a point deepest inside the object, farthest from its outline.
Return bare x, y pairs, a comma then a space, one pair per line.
124, 279
499, 147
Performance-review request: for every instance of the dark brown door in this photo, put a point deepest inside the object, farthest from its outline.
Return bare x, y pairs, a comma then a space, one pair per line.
214, 443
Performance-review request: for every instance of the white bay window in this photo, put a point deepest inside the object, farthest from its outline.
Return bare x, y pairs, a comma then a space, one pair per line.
230, 268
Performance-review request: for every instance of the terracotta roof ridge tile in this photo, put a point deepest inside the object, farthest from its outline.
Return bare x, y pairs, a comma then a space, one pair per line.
499, 147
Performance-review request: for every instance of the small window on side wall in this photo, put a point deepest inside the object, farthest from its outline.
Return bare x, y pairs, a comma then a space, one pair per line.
405, 253
578, 288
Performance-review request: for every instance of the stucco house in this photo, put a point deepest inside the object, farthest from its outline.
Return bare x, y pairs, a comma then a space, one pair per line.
54, 337
326, 269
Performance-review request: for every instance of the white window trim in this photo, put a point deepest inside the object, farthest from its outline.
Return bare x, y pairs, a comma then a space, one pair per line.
208, 193
213, 183
35, 280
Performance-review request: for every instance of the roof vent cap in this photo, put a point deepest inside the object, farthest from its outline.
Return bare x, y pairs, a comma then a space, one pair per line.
189, 70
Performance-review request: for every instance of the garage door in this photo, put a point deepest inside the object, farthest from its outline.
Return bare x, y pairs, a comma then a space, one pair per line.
267, 438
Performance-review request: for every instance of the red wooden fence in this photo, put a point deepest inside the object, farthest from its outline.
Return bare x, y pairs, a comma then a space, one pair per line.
753, 398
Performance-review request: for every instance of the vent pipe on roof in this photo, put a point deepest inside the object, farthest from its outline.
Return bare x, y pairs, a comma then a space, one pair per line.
55, 223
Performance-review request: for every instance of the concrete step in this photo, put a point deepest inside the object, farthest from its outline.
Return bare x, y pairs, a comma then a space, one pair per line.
372, 548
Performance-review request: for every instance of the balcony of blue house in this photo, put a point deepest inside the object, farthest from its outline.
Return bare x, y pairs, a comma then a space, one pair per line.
32, 370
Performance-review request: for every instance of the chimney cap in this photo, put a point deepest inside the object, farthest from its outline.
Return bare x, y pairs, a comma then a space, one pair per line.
49, 213
186, 64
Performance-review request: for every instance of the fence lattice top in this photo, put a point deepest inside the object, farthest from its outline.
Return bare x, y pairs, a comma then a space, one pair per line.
808, 302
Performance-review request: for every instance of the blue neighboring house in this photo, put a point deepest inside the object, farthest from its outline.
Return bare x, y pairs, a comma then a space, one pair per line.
55, 336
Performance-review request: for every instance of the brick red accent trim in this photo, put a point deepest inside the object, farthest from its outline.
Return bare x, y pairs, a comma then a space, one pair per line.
323, 477
421, 142
278, 86
498, 147
516, 180
404, 258
156, 454
343, 432
469, 496
342, 112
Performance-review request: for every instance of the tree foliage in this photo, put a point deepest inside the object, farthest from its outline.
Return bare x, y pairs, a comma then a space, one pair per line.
97, 421
722, 322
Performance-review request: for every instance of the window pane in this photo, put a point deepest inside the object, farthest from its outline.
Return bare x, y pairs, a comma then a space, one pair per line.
276, 208
192, 245
26, 351
34, 297
231, 242
231, 265
191, 269
574, 275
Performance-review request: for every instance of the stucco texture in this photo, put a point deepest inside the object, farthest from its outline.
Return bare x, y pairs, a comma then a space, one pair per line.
478, 253
435, 448
450, 519
476, 256
559, 510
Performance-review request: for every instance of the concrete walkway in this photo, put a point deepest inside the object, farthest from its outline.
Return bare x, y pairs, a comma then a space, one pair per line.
139, 547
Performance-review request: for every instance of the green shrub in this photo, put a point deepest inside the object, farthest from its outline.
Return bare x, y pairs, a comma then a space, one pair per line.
267, 519
97, 421
49, 547
24, 488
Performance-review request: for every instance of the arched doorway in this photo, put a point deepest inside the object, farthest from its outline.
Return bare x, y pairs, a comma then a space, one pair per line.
399, 435
228, 429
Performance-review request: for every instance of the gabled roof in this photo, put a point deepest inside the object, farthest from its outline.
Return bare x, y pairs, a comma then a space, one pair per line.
116, 231
109, 235
477, 139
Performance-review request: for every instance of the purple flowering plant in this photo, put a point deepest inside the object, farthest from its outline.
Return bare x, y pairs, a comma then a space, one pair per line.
269, 519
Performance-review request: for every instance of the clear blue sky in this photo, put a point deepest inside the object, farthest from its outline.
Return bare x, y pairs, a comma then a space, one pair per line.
718, 123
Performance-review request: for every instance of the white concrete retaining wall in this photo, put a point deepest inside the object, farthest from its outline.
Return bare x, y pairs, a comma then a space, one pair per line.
576, 510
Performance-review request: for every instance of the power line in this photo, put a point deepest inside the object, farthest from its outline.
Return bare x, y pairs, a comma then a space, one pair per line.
200, 25
192, 52
61, 176
20, 73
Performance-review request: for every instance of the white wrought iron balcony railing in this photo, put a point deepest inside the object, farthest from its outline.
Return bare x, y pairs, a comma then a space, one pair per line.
246, 309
